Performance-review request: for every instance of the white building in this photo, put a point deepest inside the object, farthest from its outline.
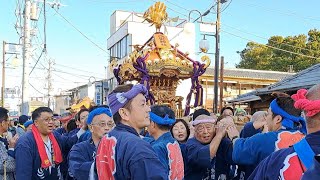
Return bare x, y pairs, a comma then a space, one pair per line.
96, 91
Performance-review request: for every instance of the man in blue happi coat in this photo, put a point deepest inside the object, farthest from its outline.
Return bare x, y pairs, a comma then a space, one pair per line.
291, 163
256, 125
165, 146
122, 154
285, 125
201, 150
39, 153
82, 155
313, 173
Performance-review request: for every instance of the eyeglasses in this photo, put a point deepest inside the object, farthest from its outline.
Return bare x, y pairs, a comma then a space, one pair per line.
47, 120
103, 124
201, 128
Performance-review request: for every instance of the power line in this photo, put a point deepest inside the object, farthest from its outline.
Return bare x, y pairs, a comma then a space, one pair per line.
43, 67
62, 77
262, 37
44, 27
70, 68
78, 75
81, 32
270, 46
66, 80
282, 12
173, 10
181, 7
42, 79
37, 24
177, 12
267, 45
177, 5
73, 68
36, 89
44, 50
36, 62
226, 6
35, 77
114, 2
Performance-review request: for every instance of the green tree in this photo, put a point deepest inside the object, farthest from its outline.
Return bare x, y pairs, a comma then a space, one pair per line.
276, 54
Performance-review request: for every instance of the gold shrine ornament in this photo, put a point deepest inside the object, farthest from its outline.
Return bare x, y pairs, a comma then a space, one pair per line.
156, 14
162, 41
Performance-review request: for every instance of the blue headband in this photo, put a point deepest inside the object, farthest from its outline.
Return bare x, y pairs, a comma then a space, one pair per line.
287, 119
160, 120
28, 123
98, 111
119, 100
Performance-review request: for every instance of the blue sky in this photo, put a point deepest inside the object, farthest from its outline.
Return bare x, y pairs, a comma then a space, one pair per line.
257, 20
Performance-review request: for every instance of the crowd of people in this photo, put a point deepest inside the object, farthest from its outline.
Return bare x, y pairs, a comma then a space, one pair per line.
128, 139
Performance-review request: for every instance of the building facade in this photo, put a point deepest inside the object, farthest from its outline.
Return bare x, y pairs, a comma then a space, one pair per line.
261, 98
237, 82
96, 91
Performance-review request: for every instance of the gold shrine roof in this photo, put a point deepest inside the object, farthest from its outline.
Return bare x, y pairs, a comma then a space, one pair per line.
161, 58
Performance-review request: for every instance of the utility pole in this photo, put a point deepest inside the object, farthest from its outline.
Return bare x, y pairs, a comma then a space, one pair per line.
3, 72
26, 57
221, 83
217, 56
49, 81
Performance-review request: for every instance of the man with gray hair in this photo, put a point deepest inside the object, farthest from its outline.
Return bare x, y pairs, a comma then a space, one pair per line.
201, 150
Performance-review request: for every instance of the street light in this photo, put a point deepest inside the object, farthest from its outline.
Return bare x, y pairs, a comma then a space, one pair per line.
194, 10
15, 61
15, 64
91, 80
204, 44
217, 53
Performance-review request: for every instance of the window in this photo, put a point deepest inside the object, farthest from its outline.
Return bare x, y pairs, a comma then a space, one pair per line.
122, 48
129, 43
124, 51
118, 50
113, 52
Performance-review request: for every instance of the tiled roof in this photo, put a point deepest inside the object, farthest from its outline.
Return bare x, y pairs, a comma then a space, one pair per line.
245, 98
249, 73
304, 79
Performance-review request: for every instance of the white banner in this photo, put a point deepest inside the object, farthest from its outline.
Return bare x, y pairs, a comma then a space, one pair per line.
11, 48
207, 27
10, 90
